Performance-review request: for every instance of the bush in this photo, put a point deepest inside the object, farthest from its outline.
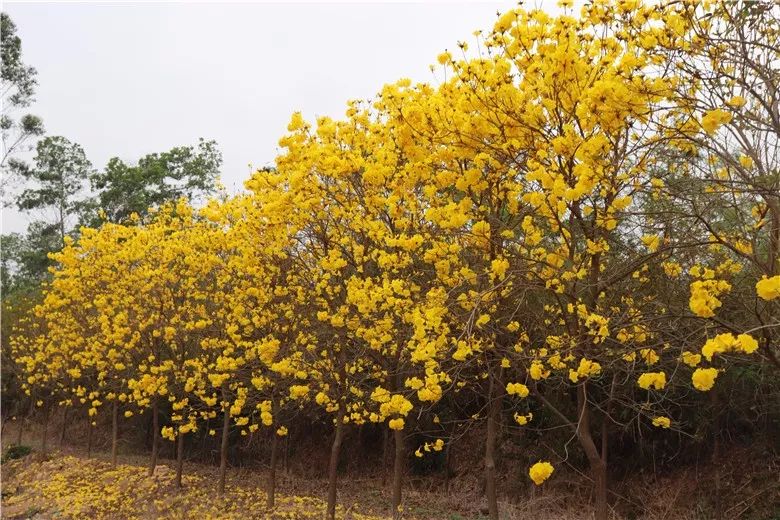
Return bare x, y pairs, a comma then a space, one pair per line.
15, 452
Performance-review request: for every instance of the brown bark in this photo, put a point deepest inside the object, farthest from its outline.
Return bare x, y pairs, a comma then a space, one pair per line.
114, 431
20, 431
385, 451
155, 437
223, 449
716, 454
89, 436
599, 471
398, 472
490, 448
22, 419
179, 458
333, 464
286, 461
598, 466
45, 433
447, 467
64, 425
271, 491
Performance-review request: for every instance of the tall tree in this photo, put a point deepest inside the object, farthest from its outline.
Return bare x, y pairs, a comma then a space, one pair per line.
17, 85
25, 259
184, 171
59, 174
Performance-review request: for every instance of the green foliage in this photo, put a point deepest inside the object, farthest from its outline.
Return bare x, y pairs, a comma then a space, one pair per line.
184, 171
14, 71
16, 452
25, 259
18, 91
60, 171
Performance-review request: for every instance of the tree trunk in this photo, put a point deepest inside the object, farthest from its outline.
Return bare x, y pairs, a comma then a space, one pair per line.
20, 432
155, 437
599, 470
398, 472
64, 425
598, 466
179, 458
716, 453
22, 419
333, 469
114, 431
89, 437
385, 450
45, 433
223, 450
272, 472
490, 449
447, 462
286, 461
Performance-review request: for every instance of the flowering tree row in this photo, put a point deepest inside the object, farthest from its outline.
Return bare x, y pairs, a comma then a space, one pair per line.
566, 213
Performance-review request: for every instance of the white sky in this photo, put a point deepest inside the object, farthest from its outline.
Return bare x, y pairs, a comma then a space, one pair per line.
127, 79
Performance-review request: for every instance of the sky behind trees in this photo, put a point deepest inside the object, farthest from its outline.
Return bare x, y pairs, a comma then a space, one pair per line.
130, 79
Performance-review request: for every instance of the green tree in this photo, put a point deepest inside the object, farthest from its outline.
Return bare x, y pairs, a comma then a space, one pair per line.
17, 85
59, 175
25, 259
184, 171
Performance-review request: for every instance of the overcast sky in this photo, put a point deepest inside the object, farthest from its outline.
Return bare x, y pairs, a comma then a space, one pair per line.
129, 79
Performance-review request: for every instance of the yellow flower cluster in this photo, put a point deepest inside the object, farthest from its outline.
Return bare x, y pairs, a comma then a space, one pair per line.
654, 380
396, 405
703, 379
727, 342
769, 288
518, 389
704, 296
662, 422
437, 445
540, 472
714, 119
586, 368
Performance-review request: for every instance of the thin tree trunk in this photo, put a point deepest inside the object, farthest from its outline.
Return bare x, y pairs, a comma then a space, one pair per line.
716, 454
490, 448
22, 419
287, 453
606, 418
223, 450
64, 426
45, 434
155, 437
447, 453
398, 472
599, 470
20, 432
89, 437
598, 465
604, 438
385, 450
179, 458
333, 464
114, 431
272, 472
